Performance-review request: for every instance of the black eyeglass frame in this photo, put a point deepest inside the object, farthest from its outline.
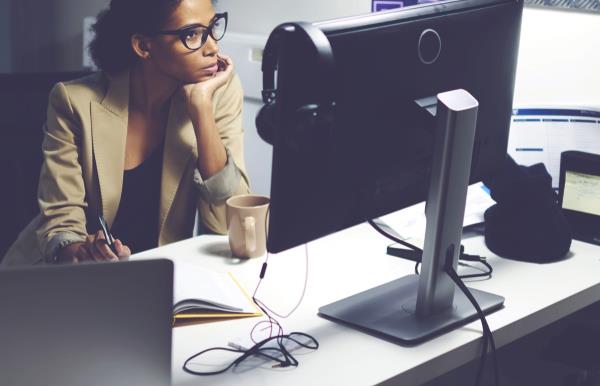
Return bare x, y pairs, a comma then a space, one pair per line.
208, 30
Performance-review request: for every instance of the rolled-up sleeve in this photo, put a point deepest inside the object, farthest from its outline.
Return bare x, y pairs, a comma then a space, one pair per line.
221, 186
232, 179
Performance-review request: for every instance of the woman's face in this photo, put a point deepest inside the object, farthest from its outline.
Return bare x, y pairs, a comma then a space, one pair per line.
173, 58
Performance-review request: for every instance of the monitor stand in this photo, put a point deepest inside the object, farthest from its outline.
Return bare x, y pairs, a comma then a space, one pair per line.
414, 308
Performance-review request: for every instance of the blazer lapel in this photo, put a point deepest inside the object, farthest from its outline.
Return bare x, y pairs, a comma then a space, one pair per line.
180, 146
109, 133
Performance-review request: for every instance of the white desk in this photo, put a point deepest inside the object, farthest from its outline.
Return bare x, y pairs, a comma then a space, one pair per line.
352, 261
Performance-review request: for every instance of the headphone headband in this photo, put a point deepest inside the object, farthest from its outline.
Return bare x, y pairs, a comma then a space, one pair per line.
316, 112
319, 41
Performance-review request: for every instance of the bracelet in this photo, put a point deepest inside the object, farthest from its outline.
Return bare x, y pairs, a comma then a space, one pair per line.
53, 259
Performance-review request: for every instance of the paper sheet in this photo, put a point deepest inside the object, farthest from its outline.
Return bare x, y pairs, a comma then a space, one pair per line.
410, 222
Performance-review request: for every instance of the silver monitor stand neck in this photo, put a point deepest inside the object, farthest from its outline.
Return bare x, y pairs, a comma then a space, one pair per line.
415, 308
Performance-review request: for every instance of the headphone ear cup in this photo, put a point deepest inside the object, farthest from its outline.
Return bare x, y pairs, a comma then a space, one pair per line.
311, 126
316, 118
265, 123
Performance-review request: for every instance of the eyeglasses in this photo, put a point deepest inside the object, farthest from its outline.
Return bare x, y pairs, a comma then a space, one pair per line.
195, 36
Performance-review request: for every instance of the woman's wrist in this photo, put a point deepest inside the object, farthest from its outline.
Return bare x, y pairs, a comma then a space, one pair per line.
202, 117
59, 241
67, 253
199, 106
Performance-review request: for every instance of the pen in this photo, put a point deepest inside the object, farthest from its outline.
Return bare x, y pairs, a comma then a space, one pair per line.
109, 239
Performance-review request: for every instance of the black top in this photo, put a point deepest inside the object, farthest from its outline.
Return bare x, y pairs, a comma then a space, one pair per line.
136, 223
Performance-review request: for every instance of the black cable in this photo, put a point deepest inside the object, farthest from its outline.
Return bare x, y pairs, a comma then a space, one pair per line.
487, 332
412, 254
415, 253
484, 273
279, 354
271, 353
394, 238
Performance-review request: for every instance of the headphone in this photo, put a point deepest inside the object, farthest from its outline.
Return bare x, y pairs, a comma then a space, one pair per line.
308, 118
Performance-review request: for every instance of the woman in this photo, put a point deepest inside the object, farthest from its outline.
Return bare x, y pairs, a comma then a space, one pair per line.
143, 143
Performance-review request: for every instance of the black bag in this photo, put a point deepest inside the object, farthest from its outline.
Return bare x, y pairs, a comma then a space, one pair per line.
526, 223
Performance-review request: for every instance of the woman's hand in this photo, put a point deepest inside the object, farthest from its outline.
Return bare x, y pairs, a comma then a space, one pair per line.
95, 248
200, 94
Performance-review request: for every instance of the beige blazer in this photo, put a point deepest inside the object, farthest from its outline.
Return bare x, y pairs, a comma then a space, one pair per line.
84, 152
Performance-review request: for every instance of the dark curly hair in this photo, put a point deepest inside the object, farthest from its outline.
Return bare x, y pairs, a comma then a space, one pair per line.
111, 47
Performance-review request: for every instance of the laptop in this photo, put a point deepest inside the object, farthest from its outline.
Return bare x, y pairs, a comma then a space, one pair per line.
88, 324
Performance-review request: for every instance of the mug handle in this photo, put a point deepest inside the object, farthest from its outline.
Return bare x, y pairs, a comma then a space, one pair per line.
250, 234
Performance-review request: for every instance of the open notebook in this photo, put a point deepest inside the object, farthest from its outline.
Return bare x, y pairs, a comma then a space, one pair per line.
201, 293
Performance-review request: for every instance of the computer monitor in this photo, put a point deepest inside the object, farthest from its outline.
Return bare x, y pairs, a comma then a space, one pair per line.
386, 142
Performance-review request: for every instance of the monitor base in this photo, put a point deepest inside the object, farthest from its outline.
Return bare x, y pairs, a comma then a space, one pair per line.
388, 312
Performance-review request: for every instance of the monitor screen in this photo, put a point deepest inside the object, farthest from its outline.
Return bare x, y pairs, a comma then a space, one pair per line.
377, 157
581, 193
541, 134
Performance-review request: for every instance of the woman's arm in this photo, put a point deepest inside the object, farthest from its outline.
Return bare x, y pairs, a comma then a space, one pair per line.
232, 180
61, 190
217, 121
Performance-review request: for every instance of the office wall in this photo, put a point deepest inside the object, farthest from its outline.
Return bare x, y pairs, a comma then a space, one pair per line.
559, 59
260, 17
47, 35
5, 36
50, 32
